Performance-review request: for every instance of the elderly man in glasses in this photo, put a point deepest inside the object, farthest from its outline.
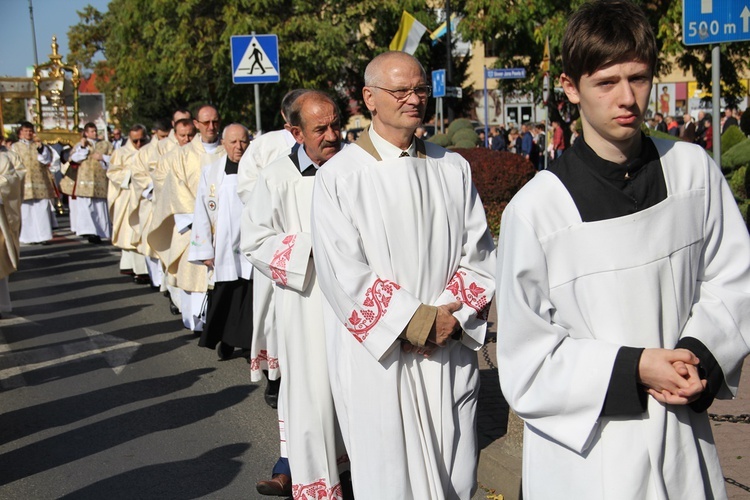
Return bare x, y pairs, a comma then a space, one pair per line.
405, 262
119, 202
181, 188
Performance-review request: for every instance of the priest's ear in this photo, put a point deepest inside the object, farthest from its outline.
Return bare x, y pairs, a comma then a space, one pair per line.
369, 98
297, 133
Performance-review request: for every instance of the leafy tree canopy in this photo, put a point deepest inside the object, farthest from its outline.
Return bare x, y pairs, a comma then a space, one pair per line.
518, 29
159, 55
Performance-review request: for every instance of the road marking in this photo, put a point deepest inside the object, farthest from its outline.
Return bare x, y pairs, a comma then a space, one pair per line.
117, 353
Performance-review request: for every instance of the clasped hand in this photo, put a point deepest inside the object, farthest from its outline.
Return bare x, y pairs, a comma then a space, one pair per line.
445, 325
671, 375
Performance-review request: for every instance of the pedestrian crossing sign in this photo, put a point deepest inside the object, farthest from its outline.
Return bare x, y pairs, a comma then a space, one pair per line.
255, 59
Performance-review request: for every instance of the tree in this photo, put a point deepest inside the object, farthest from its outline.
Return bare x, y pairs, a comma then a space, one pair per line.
520, 28
161, 54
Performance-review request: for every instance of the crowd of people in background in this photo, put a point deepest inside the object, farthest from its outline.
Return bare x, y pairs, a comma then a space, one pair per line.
530, 138
308, 251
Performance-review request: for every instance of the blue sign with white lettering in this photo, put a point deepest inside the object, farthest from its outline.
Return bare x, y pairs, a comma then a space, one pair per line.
506, 73
255, 59
438, 83
715, 21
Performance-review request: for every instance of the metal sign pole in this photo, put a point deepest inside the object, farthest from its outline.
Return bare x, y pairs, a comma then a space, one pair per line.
715, 98
486, 114
257, 109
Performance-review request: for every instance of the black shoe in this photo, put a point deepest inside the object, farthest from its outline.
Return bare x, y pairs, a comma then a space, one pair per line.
271, 395
224, 350
127, 272
141, 279
95, 239
174, 309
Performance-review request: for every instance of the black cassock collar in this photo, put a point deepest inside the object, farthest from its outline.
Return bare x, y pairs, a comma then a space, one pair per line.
604, 190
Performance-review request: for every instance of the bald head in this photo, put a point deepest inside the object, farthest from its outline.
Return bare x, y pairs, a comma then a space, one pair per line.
380, 65
235, 140
396, 93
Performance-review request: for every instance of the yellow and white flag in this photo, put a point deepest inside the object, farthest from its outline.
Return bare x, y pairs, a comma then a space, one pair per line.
409, 34
545, 56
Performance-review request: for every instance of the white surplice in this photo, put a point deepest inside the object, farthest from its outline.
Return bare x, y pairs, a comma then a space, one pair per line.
37, 217
264, 351
388, 236
570, 294
276, 238
217, 193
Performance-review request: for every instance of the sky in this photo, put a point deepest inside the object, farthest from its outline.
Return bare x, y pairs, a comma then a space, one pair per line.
51, 17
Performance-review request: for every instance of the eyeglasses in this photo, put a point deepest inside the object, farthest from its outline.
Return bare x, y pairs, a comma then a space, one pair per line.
215, 123
423, 92
139, 141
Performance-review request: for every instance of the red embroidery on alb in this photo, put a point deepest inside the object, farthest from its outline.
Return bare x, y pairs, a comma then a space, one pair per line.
281, 259
473, 296
317, 491
377, 298
273, 363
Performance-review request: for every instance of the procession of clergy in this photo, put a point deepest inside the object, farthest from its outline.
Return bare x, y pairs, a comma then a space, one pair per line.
369, 348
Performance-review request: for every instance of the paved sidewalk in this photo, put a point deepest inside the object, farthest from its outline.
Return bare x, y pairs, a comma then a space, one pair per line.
500, 459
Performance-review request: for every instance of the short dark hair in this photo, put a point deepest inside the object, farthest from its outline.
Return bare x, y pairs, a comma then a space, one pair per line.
605, 32
182, 110
139, 127
89, 125
161, 126
25, 124
184, 121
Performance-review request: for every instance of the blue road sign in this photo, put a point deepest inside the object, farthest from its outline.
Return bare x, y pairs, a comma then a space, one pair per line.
438, 83
506, 73
715, 21
255, 59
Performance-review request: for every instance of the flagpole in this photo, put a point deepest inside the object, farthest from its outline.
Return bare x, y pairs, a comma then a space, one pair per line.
449, 55
33, 33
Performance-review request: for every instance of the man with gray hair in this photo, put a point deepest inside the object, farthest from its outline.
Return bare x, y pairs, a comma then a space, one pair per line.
405, 261
276, 238
179, 191
215, 244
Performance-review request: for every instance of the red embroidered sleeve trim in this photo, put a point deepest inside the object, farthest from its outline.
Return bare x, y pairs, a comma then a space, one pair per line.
273, 363
473, 295
281, 259
317, 491
377, 298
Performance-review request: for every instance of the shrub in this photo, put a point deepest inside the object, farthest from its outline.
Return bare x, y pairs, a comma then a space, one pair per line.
737, 182
457, 125
440, 140
465, 135
745, 123
731, 137
737, 156
498, 175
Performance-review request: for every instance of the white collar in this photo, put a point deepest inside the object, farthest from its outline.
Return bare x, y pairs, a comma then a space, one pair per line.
210, 147
388, 151
304, 161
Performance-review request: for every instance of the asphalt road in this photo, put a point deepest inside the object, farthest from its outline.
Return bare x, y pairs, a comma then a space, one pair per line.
104, 395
